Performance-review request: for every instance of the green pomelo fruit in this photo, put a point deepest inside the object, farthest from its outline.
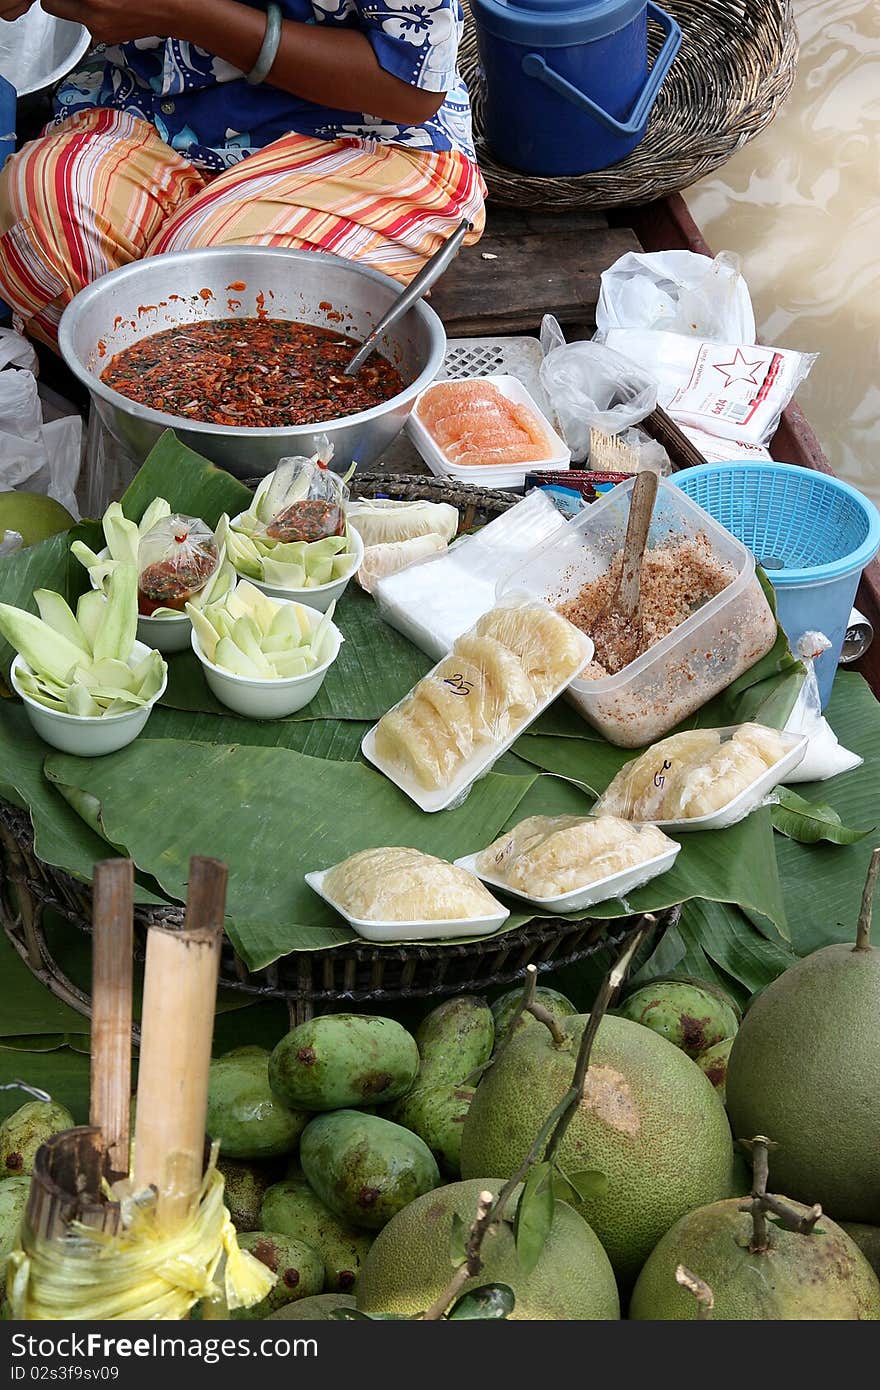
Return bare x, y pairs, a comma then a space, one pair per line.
818, 1277
33, 516
867, 1238
243, 1114
649, 1120
24, 1131
14, 1193
317, 1309
506, 1006
365, 1168
410, 1262
299, 1271
339, 1061
804, 1070
689, 1014
453, 1040
713, 1062
437, 1115
244, 1187
294, 1209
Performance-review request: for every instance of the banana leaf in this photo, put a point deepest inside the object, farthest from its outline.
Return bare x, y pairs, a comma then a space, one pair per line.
64, 1074
269, 813
61, 836
188, 482
823, 882
337, 740
26, 1005
375, 668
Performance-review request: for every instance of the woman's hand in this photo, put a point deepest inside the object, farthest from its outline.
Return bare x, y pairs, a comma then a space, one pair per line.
118, 21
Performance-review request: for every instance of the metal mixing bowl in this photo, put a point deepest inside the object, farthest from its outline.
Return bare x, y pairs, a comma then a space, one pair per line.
37, 50
190, 286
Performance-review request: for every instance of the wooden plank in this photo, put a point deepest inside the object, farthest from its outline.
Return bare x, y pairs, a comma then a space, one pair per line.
538, 263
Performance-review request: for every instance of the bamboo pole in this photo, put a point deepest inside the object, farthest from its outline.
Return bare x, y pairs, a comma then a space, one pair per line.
180, 990
113, 908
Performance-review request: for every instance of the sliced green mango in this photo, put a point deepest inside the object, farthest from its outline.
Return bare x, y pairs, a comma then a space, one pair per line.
246, 636
116, 634
295, 664
122, 536
205, 630
156, 512
41, 647
231, 658
282, 576
80, 702
55, 611
90, 610
111, 672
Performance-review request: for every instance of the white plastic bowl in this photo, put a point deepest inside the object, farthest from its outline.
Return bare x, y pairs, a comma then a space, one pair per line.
320, 598
268, 699
88, 736
163, 634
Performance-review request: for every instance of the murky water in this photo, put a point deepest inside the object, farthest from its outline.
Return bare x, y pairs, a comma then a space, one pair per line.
801, 206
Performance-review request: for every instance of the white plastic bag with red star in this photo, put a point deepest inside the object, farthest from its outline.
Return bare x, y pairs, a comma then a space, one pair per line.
729, 390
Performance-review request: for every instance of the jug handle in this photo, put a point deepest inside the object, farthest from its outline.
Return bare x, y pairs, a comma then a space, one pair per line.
533, 65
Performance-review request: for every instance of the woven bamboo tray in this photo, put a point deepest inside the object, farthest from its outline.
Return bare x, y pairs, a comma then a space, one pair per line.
735, 67
312, 982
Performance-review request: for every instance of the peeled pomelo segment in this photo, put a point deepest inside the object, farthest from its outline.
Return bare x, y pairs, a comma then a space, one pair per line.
479, 417
534, 429
451, 397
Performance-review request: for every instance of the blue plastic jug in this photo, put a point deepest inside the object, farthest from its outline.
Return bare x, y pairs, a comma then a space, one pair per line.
567, 84
7, 147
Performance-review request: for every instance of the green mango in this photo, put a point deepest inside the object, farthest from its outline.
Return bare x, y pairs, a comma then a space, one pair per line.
504, 1008
245, 1186
299, 1270
692, 1014
14, 1194
23, 1132
714, 1063
243, 1114
453, 1040
313, 1309
437, 1115
340, 1061
294, 1209
365, 1168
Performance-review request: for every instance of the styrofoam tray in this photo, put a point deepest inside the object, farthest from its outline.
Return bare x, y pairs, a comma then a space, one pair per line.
473, 767
410, 931
600, 891
492, 475
750, 798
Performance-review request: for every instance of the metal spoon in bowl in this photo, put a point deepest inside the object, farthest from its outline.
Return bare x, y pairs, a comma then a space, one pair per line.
430, 271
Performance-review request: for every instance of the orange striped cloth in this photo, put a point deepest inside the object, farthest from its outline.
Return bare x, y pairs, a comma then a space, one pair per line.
104, 189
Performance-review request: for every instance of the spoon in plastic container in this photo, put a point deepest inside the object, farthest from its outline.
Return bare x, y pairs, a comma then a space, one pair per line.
620, 624
430, 271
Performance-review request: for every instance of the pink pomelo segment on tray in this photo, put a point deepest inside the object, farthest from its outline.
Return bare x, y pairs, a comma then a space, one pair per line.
475, 424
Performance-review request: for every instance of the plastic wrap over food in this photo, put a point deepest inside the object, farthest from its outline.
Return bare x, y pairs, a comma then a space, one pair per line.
381, 521
436, 601
391, 557
459, 718
176, 558
546, 856
698, 773
397, 884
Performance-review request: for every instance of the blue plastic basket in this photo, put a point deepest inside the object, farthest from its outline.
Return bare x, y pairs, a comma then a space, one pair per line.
812, 533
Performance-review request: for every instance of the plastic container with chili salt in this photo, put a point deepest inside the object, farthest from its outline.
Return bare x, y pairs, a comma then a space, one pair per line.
714, 646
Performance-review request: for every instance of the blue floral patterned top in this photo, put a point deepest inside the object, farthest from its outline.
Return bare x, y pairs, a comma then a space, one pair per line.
203, 107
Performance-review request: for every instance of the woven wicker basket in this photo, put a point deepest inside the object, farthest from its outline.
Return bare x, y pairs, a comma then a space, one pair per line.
311, 981
735, 67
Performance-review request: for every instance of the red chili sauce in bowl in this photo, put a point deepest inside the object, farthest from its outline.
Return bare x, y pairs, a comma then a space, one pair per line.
250, 373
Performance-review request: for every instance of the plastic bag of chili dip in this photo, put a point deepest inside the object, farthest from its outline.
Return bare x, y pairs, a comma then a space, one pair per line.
175, 560
305, 500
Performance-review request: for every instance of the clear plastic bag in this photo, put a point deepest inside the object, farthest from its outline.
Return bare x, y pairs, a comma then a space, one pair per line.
10, 541
824, 757
589, 386
677, 292
700, 775
303, 500
547, 856
176, 559
730, 390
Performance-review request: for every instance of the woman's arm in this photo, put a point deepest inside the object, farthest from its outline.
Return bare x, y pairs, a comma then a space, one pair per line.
330, 66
